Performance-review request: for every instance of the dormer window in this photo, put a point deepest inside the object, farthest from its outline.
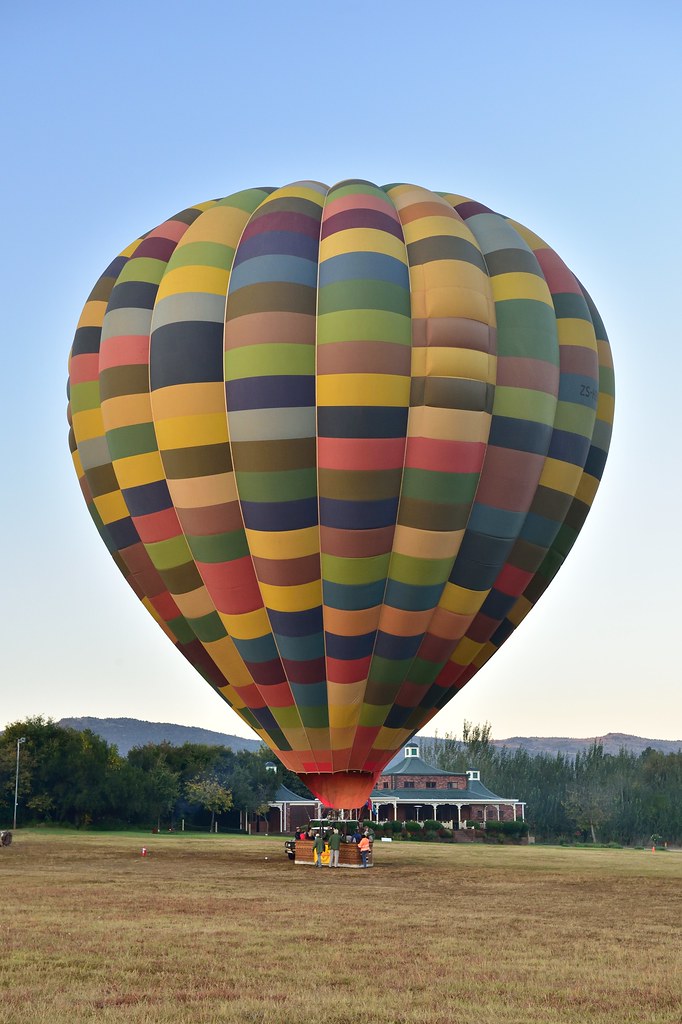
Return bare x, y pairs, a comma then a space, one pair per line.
270, 766
473, 775
412, 750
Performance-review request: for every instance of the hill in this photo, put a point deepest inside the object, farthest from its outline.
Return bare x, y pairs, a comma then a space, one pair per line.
126, 733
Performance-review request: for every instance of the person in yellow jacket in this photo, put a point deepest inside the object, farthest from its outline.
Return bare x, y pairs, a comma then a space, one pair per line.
364, 846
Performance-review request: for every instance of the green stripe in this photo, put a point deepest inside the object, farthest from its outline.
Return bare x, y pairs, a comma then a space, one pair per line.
84, 396
420, 572
219, 547
169, 554
525, 404
354, 571
364, 294
364, 325
137, 439
142, 268
269, 360
569, 306
202, 254
208, 627
527, 328
575, 418
286, 485
443, 488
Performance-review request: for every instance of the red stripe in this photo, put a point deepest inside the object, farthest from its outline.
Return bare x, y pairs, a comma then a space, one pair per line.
347, 671
124, 350
84, 368
445, 456
158, 526
513, 581
232, 585
360, 453
557, 275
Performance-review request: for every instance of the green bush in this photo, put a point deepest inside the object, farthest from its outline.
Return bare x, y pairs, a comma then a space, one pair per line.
430, 824
395, 826
445, 833
412, 827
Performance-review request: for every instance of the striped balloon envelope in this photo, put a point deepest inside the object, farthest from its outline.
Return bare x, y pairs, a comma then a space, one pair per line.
339, 441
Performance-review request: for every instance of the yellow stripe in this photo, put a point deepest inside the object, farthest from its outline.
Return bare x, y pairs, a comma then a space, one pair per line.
465, 651
459, 599
126, 410
532, 240
191, 431
363, 389
605, 407
389, 739
77, 464
287, 544
93, 313
88, 425
208, 280
521, 286
188, 400
136, 470
202, 491
222, 224
228, 660
560, 476
362, 240
111, 507
457, 362
519, 611
449, 424
573, 331
292, 599
248, 626
297, 192
587, 488
428, 227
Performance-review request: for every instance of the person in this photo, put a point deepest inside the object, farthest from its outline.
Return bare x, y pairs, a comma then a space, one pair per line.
357, 834
334, 847
318, 848
364, 847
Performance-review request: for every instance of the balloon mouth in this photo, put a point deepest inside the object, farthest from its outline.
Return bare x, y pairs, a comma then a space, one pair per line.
340, 790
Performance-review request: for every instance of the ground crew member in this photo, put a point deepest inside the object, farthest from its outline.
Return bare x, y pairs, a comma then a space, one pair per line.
334, 847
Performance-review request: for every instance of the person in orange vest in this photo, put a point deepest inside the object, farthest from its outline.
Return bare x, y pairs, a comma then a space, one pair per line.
364, 847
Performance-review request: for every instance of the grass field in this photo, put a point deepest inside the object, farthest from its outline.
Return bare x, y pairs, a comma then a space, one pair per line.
207, 929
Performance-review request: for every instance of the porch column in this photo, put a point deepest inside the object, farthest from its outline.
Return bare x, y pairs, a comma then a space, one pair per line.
435, 811
459, 815
395, 810
281, 818
514, 809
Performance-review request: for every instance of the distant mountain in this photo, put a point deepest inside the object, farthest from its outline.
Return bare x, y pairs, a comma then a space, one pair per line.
126, 733
612, 743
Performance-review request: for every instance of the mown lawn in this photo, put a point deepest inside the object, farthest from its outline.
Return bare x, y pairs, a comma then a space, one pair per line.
221, 928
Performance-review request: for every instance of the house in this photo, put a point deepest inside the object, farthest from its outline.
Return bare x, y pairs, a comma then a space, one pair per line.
412, 790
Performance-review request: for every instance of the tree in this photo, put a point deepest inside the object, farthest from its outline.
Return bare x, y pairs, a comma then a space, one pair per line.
209, 793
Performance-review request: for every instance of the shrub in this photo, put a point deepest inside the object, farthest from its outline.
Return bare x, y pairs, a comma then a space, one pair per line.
412, 827
395, 826
445, 833
431, 825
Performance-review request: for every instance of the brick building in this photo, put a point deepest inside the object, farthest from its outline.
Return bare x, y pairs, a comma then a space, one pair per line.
412, 790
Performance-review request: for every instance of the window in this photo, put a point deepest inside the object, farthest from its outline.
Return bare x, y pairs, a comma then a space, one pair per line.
430, 785
408, 785
412, 751
451, 785
387, 785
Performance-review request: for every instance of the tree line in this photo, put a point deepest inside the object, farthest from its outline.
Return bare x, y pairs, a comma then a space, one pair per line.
68, 776
597, 797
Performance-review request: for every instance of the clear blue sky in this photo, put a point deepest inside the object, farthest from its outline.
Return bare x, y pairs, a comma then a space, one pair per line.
563, 116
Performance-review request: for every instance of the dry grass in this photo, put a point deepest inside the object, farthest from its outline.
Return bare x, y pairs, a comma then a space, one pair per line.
206, 929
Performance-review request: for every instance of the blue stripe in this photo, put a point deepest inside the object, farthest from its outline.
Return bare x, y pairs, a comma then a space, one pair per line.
281, 243
539, 530
479, 561
123, 533
300, 648
296, 623
147, 498
569, 447
361, 421
309, 695
358, 515
260, 649
397, 648
353, 598
277, 392
274, 267
496, 522
582, 390
497, 605
519, 435
363, 266
280, 515
411, 598
349, 648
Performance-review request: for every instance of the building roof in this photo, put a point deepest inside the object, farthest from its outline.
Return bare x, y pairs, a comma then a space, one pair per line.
475, 793
287, 796
415, 766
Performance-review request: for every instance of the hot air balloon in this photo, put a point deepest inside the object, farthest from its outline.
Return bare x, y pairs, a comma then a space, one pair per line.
339, 441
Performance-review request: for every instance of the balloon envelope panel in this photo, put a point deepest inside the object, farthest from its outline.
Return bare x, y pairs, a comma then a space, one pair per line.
339, 441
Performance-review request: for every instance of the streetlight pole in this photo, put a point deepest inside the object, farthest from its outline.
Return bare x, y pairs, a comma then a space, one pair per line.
22, 739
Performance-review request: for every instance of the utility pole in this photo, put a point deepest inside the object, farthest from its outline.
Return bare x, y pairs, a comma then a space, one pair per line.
22, 739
